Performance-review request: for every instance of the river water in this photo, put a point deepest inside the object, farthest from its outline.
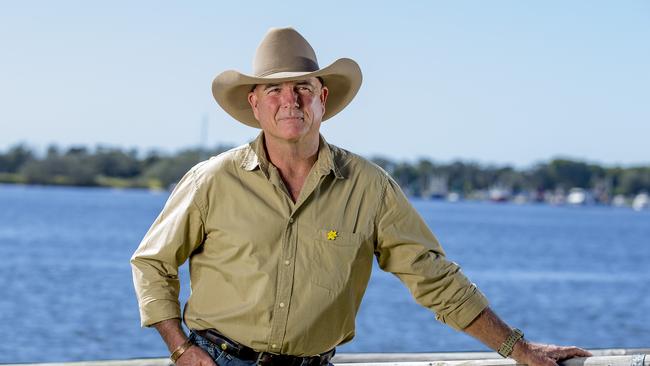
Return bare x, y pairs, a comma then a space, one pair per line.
568, 275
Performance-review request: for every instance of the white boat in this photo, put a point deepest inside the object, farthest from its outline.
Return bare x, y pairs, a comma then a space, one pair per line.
499, 194
578, 197
641, 201
453, 197
618, 201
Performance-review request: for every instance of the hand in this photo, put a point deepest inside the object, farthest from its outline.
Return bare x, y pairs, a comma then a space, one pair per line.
195, 356
537, 354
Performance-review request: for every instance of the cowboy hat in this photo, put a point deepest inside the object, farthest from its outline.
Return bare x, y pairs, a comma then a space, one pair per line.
285, 55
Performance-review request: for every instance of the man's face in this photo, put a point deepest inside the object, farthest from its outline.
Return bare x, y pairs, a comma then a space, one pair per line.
291, 110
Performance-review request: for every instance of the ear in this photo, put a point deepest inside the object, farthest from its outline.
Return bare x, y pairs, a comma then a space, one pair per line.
324, 92
252, 100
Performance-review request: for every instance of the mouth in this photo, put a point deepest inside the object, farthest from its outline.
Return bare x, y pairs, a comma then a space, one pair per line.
291, 118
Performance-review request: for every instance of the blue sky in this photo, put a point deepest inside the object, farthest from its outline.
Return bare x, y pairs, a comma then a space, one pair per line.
505, 82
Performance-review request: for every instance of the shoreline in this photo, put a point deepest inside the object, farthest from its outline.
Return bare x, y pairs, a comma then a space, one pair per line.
558, 200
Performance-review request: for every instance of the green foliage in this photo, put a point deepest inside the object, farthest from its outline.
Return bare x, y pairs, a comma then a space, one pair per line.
74, 168
12, 178
169, 171
103, 167
116, 163
635, 180
15, 158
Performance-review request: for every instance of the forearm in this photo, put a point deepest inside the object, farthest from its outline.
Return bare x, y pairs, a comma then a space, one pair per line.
492, 331
489, 329
171, 332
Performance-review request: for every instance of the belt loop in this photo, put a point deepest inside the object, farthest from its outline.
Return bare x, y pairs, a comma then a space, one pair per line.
259, 358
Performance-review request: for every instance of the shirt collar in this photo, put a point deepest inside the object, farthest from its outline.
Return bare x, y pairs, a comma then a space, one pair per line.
327, 162
255, 157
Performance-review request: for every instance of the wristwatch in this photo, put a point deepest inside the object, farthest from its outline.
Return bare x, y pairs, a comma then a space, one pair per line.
509, 344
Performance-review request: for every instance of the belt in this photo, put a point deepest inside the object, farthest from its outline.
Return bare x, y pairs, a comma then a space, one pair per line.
263, 358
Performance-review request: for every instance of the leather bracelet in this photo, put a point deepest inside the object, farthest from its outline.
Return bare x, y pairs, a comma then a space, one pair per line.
178, 352
509, 344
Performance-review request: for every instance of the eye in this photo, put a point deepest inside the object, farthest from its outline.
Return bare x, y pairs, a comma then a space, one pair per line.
304, 89
273, 90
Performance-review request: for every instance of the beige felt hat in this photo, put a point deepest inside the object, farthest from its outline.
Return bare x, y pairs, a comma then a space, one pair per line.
285, 55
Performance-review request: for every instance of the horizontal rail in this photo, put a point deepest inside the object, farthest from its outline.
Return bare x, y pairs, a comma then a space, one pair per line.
628, 360
457, 356
602, 357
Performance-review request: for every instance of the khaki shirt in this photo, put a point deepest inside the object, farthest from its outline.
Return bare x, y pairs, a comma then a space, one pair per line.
288, 277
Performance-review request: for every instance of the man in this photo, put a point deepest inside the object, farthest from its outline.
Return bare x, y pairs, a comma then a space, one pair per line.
281, 233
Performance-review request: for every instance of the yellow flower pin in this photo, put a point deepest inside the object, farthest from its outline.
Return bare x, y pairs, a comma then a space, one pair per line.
332, 235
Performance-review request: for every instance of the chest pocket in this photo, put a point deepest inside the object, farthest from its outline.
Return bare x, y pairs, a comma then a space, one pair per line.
332, 255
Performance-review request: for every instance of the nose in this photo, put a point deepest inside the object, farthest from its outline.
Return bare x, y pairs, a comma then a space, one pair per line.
289, 98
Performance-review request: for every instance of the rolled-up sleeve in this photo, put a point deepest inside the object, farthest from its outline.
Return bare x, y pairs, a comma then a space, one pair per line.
407, 248
173, 236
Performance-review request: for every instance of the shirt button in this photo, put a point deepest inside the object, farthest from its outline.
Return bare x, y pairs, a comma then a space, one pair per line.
281, 304
274, 346
291, 220
287, 262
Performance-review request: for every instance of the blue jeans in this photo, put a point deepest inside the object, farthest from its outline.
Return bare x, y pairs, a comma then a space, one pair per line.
220, 357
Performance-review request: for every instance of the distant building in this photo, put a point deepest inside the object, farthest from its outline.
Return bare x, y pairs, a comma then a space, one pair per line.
436, 188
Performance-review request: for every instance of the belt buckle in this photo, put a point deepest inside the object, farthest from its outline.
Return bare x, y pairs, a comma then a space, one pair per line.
272, 359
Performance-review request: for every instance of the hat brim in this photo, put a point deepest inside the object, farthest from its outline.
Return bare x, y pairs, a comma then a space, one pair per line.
230, 88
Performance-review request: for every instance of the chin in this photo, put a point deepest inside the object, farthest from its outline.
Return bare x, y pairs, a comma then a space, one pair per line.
293, 137
294, 134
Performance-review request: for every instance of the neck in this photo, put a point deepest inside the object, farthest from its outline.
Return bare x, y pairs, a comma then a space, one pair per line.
292, 158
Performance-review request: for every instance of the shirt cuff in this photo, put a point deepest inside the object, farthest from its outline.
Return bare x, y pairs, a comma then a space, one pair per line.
464, 314
158, 310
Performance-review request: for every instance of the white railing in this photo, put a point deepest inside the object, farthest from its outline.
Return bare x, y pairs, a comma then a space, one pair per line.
604, 357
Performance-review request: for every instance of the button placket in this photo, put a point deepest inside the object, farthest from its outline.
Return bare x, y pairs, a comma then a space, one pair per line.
285, 286
287, 261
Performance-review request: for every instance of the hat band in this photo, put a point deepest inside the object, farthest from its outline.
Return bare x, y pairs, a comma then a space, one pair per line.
299, 64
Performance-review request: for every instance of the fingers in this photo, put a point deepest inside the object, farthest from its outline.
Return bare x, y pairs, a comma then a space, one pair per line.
550, 355
570, 352
195, 356
205, 359
208, 362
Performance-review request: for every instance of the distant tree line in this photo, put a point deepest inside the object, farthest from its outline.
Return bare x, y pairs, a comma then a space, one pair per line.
78, 166
557, 174
103, 166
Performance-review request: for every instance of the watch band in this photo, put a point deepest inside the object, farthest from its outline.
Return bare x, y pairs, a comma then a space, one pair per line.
178, 352
509, 344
